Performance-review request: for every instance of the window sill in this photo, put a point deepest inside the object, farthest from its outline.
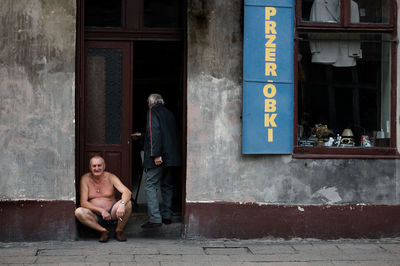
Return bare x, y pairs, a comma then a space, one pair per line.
344, 153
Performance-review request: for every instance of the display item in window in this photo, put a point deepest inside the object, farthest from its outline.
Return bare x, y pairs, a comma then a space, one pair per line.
321, 131
329, 143
347, 138
380, 134
341, 50
337, 141
325, 11
365, 142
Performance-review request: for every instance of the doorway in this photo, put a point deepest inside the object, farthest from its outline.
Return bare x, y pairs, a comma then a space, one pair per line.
157, 68
126, 52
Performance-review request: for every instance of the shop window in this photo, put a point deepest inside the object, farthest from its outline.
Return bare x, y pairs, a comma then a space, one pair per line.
344, 78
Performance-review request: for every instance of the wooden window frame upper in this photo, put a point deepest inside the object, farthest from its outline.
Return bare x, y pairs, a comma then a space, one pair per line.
132, 27
345, 26
345, 20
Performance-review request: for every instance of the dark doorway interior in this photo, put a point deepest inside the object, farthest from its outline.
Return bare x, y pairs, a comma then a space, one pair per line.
157, 68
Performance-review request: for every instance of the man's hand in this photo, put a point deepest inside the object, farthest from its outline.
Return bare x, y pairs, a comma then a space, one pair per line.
120, 211
136, 135
106, 215
158, 160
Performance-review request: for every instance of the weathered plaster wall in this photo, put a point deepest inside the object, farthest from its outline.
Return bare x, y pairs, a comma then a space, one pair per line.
398, 102
37, 93
216, 169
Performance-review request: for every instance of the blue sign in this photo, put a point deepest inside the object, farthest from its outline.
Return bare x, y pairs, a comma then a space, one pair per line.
268, 77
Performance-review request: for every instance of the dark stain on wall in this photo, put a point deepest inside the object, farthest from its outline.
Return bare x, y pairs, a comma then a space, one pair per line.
215, 38
37, 220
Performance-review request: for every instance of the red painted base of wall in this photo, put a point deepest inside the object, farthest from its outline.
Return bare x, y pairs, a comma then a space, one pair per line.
244, 221
37, 220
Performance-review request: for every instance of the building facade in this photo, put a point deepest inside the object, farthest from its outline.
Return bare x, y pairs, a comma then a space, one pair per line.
288, 112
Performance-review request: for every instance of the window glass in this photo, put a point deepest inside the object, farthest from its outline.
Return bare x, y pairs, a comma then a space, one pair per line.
162, 14
344, 90
103, 13
371, 11
325, 11
103, 96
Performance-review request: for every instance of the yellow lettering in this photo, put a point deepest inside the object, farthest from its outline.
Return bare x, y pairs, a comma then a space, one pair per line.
270, 54
269, 12
270, 40
270, 27
269, 120
269, 90
270, 69
270, 105
270, 135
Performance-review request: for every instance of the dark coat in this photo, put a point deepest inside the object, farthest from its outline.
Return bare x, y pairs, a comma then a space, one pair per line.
160, 138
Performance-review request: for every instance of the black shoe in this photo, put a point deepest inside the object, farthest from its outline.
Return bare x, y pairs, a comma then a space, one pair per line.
151, 225
166, 221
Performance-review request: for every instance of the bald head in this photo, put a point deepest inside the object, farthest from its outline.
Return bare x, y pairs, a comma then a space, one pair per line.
96, 157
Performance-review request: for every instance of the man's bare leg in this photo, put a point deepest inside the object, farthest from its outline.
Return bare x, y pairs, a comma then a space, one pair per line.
88, 218
121, 224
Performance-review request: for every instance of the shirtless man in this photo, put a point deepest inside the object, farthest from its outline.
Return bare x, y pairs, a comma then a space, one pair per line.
98, 204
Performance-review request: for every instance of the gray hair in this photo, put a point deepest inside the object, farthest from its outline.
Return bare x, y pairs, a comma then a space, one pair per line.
96, 157
154, 99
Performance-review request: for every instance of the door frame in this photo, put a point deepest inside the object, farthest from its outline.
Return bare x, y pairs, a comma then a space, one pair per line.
177, 35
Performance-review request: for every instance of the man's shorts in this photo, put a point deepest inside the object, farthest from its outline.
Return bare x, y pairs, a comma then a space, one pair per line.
101, 221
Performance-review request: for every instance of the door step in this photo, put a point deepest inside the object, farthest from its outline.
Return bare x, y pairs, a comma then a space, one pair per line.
170, 231
133, 229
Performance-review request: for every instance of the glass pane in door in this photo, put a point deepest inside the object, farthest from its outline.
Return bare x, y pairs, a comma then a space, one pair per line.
162, 14
103, 96
103, 13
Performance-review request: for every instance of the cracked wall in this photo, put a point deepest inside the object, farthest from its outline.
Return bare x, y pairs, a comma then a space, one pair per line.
37, 111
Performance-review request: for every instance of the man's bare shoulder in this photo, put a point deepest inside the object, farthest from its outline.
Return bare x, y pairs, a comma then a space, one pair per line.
110, 176
85, 177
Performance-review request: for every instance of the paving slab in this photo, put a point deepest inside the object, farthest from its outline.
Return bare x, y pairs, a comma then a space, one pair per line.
271, 249
205, 258
160, 257
392, 248
226, 250
18, 259
156, 263
60, 259
316, 252
365, 263
178, 249
4, 252
81, 264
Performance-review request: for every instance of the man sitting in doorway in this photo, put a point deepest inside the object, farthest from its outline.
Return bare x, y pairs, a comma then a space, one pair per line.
99, 206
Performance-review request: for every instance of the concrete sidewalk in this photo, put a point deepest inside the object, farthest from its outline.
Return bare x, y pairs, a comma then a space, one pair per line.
141, 251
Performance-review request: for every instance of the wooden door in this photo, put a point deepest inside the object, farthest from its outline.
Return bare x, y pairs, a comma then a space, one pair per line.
106, 104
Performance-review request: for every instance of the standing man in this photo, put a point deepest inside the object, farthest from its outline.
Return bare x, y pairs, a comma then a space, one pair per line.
161, 155
99, 206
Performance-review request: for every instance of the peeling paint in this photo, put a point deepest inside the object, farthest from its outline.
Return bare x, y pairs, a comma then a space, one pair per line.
328, 194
